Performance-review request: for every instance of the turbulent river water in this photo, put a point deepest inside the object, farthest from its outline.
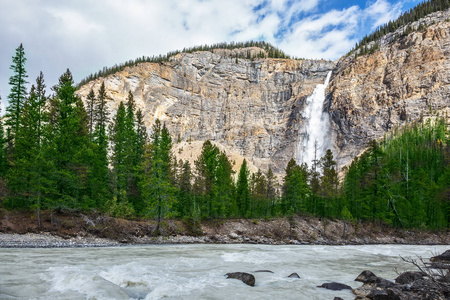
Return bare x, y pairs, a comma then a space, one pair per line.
195, 271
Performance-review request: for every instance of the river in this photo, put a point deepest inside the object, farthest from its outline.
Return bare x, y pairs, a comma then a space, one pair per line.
195, 271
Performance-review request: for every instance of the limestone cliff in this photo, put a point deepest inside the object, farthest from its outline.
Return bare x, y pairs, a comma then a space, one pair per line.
248, 106
252, 108
407, 78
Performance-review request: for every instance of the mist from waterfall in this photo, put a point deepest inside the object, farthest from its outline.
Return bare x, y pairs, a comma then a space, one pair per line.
315, 135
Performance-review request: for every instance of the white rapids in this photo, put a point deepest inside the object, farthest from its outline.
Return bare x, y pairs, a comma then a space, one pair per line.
196, 271
315, 135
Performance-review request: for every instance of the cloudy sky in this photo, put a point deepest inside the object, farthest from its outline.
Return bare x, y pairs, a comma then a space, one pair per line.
85, 35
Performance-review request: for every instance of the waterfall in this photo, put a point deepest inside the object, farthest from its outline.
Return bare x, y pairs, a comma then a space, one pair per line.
315, 137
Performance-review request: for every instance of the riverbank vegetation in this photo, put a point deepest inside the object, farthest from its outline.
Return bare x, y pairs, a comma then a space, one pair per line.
59, 154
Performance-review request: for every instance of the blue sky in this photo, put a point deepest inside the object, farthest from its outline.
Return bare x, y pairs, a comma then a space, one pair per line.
85, 35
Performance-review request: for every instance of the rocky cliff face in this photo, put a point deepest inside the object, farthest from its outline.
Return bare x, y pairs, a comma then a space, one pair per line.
252, 107
407, 78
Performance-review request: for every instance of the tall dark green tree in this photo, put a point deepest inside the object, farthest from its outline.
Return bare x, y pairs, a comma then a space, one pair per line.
68, 144
185, 199
156, 188
243, 190
3, 164
295, 188
18, 92
30, 176
205, 177
99, 176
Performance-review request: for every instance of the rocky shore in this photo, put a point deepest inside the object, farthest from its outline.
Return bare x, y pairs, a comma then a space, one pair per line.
81, 230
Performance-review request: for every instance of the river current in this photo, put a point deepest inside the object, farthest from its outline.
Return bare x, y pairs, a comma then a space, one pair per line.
195, 271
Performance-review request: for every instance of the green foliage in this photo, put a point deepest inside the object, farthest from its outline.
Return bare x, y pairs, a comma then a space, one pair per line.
401, 181
243, 191
213, 185
120, 208
296, 191
156, 188
18, 91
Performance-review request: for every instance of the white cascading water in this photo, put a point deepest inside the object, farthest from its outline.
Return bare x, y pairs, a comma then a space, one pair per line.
315, 136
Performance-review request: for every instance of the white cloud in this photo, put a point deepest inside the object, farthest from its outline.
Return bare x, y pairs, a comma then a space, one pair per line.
326, 36
381, 12
85, 35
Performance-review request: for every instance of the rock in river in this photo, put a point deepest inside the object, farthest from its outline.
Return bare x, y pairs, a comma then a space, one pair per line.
246, 278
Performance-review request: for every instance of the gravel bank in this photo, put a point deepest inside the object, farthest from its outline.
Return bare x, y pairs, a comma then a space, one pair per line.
46, 240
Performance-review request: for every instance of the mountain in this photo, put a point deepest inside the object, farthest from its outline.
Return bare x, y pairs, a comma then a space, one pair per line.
406, 79
252, 106
255, 107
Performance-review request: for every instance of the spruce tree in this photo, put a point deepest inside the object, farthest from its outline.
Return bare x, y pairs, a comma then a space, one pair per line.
100, 172
18, 92
156, 188
68, 144
243, 190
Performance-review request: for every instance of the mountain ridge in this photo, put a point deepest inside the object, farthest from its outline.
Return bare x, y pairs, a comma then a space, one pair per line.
367, 95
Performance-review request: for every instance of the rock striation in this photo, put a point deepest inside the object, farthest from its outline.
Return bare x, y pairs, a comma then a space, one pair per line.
406, 79
249, 106
253, 108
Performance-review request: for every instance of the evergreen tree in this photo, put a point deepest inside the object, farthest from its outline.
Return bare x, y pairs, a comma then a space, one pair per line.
329, 184
259, 194
243, 190
185, 201
295, 188
156, 187
99, 177
206, 166
30, 175
68, 144
272, 190
3, 165
18, 92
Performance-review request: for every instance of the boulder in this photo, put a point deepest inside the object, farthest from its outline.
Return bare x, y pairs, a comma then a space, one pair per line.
442, 257
294, 275
365, 276
409, 277
246, 278
335, 286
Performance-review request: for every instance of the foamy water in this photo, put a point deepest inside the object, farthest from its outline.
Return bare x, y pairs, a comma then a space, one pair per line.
315, 136
195, 271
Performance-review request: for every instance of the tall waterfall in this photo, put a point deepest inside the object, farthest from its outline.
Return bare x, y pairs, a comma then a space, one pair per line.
315, 137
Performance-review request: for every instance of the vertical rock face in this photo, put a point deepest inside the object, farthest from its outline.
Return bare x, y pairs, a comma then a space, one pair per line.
249, 106
409, 77
254, 107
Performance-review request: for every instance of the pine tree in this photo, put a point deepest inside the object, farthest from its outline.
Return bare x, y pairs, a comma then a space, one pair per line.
99, 177
243, 190
185, 203
205, 167
155, 184
30, 174
68, 144
3, 164
18, 91
295, 188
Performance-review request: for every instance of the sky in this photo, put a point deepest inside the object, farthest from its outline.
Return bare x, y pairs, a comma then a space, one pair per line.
86, 35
